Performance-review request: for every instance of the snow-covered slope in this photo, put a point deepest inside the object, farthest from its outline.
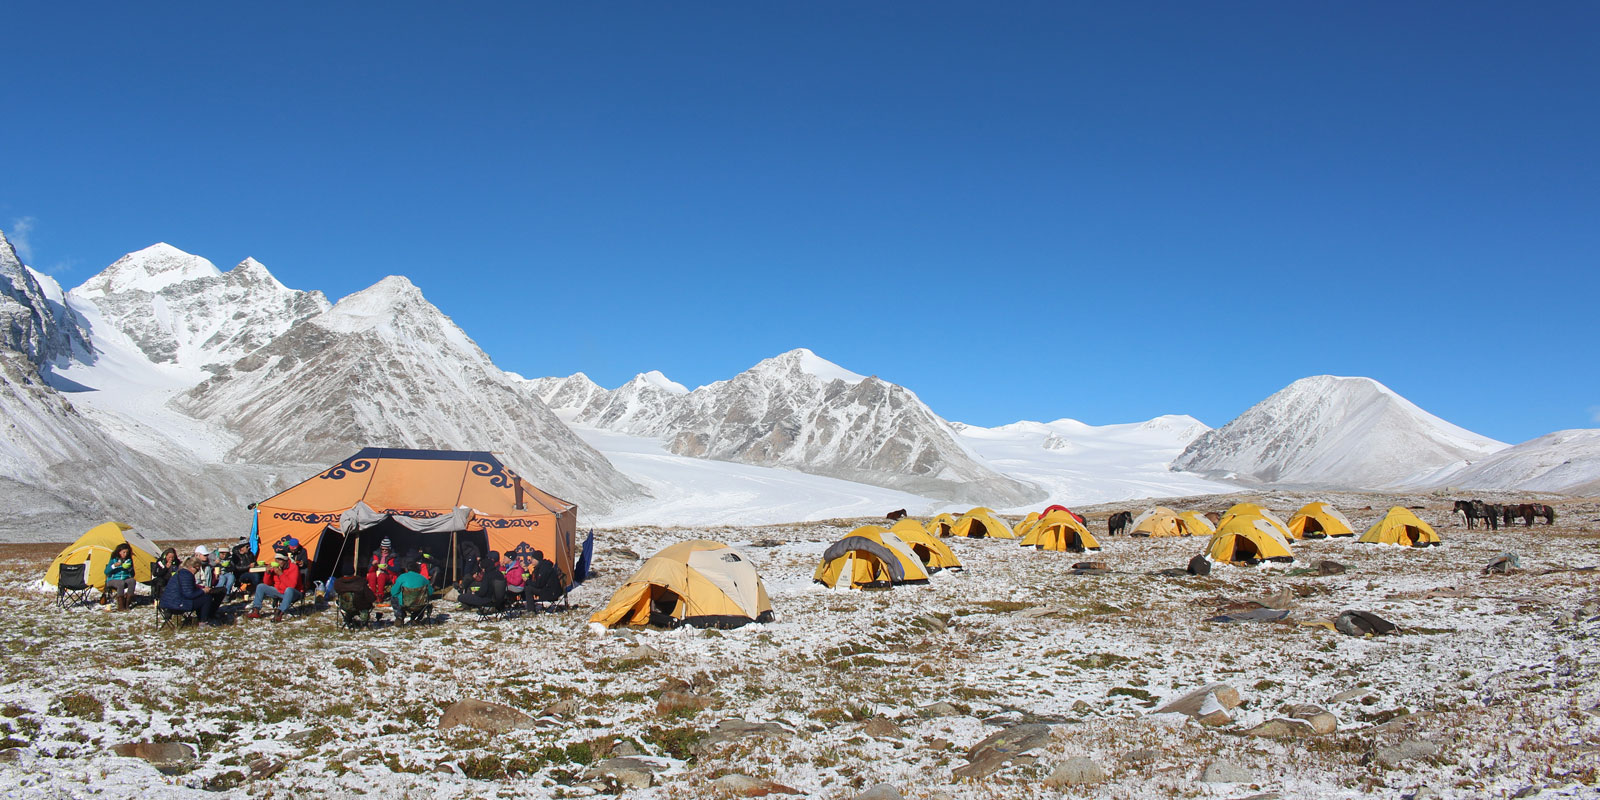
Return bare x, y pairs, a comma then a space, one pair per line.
644, 406
1082, 464
384, 367
565, 396
1564, 461
34, 320
177, 309
1332, 431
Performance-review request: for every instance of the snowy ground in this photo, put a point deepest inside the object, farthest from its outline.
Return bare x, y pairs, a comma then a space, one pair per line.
1500, 672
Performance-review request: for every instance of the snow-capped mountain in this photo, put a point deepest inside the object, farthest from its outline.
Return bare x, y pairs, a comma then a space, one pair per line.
385, 367
34, 320
1332, 431
1565, 461
799, 411
1078, 463
565, 395
178, 309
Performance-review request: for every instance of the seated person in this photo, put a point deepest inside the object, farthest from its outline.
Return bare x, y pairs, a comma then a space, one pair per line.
225, 577
545, 585
120, 582
477, 591
410, 580
517, 574
183, 594
281, 581
495, 578
355, 598
384, 568
163, 571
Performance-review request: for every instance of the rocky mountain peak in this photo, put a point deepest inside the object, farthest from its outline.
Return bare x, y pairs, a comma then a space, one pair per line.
33, 319
149, 270
800, 363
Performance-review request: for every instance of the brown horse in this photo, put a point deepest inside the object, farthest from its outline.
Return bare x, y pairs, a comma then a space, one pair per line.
1119, 522
1474, 510
1523, 511
1215, 518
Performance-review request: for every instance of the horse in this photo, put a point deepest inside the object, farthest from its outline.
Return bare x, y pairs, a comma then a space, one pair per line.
1215, 518
1467, 512
1520, 510
1542, 510
1474, 510
896, 514
1119, 522
1491, 514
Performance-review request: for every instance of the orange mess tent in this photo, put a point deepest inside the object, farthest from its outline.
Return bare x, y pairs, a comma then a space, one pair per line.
699, 583
445, 503
1319, 520
1401, 527
1061, 531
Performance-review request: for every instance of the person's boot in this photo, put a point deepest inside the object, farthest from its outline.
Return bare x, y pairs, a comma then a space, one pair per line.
255, 613
122, 602
277, 616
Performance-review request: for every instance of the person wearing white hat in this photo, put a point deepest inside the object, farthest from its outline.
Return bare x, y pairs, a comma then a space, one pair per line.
384, 569
206, 575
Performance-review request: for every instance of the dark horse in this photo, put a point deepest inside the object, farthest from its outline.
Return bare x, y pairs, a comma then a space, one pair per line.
896, 514
1474, 510
1119, 522
1528, 511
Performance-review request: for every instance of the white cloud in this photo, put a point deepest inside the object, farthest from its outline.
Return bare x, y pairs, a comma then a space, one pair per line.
1594, 413
18, 233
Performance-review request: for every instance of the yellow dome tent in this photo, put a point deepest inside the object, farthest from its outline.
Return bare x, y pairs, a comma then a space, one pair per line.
869, 558
935, 555
95, 547
700, 583
1195, 524
941, 525
1158, 521
1060, 531
1401, 527
980, 523
1253, 510
1319, 520
1021, 529
1248, 539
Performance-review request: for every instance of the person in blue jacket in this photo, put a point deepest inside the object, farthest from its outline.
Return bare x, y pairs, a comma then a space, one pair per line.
119, 576
184, 594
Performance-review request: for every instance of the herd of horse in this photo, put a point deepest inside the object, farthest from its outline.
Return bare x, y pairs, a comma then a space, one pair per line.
1495, 514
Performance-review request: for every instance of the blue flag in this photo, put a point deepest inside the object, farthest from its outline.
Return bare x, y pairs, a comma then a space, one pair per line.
580, 572
255, 530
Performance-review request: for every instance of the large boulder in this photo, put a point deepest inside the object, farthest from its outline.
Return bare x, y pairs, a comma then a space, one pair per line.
1075, 771
164, 756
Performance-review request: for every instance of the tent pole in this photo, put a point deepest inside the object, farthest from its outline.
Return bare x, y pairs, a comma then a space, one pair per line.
453, 577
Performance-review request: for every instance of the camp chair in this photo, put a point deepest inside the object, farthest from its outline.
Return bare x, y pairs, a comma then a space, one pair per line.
168, 618
350, 617
416, 605
71, 588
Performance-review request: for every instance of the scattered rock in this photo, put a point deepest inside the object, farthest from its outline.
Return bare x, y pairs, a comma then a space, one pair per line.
379, 659
1194, 703
1422, 793
881, 728
1226, 772
937, 623
487, 717
265, 767
1283, 729
1326, 567
626, 748
674, 702
1075, 771
564, 709
300, 736
939, 744
882, 791
641, 652
1081, 707
1143, 755
12, 755
747, 786
161, 755
1503, 564
631, 773
1199, 565
1410, 750
939, 709
1350, 694
730, 730
1321, 721
1281, 599
1002, 748
620, 553
767, 543
1363, 623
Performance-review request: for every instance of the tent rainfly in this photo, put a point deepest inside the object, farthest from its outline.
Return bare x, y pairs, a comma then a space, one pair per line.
1248, 539
1319, 520
1195, 524
980, 523
1253, 510
95, 546
1157, 522
935, 554
699, 583
1060, 531
1401, 527
941, 525
869, 558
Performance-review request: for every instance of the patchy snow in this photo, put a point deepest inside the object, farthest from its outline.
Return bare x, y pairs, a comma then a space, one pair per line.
1564, 461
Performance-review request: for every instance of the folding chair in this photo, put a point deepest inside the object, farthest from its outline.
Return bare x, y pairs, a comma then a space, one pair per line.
416, 605
349, 617
71, 588
167, 618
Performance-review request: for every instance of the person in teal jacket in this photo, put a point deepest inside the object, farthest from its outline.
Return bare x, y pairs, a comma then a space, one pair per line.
119, 576
410, 579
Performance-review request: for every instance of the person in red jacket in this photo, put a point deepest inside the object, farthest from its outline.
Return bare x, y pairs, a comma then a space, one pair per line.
383, 570
281, 581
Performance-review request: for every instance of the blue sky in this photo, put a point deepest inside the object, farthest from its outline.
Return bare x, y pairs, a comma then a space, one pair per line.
1020, 211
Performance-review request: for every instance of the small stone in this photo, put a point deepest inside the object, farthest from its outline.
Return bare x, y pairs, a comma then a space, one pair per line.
939, 709
1226, 772
1329, 568
1411, 750
12, 755
730, 730
300, 736
931, 622
1016, 739
1081, 707
748, 786
265, 767
672, 702
1215, 719
161, 755
642, 652
1350, 694
625, 748
881, 728
1282, 729
1143, 755
939, 744
1422, 793
1194, 703
1566, 618
1317, 717
633, 779
1075, 771
882, 791
486, 717
564, 709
